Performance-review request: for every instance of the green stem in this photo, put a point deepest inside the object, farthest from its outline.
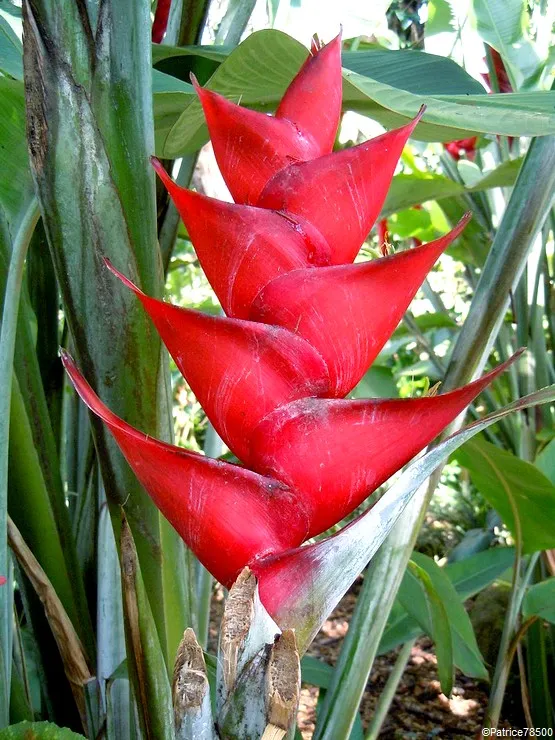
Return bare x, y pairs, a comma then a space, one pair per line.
508, 643
7, 348
388, 694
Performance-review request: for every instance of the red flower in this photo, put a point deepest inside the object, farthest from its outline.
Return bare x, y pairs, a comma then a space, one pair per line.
462, 147
303, 325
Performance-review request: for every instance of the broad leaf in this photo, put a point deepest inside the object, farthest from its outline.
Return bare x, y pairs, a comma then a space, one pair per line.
421, 599
540, 601
523, 496
410, 190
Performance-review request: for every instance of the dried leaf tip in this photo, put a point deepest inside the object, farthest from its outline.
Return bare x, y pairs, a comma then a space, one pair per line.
283, 681
190, 683
236, 622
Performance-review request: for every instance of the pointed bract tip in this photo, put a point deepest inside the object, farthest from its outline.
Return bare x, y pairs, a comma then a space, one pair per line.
67, 359
122, 277
461, 225
163, 175
194, 81
418, 116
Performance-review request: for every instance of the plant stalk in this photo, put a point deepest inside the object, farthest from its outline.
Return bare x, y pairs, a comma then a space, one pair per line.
7, 348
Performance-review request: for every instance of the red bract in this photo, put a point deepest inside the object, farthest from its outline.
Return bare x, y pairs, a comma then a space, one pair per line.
226, 514
250, 147
303, 325
2, 580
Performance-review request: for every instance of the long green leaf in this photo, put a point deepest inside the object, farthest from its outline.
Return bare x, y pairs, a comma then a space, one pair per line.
433, 619
146, 658
7, 347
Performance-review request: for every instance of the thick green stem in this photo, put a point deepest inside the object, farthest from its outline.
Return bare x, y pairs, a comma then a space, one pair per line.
506, 654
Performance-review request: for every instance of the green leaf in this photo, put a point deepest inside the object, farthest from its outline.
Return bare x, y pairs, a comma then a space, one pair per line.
146, 662
468, 577
502, 24
11, 51
415, 189
258, 71
414, 71
427, 322
16, 185
38, 731
89, 108
473, 574
420, 598
540, 601
466, 654
316, 672
545, 461
440, 18
378, 382
520, 493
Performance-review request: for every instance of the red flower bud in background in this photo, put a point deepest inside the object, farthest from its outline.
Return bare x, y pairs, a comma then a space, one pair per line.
160, 23
2, 580
462, 147
303, 325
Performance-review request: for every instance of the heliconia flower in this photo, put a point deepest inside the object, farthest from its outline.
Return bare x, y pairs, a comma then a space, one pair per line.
348, 312
359, 444
226, 514
250, 147
303, 325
